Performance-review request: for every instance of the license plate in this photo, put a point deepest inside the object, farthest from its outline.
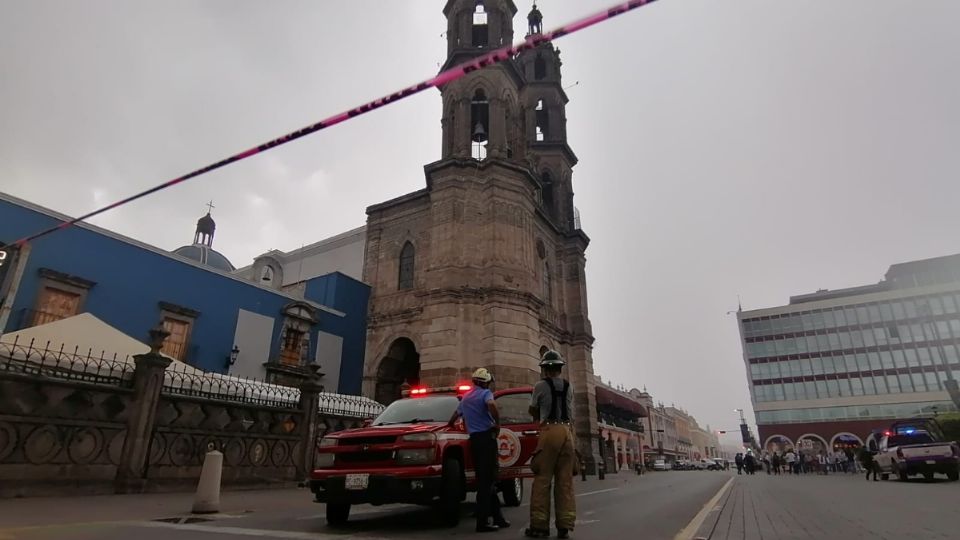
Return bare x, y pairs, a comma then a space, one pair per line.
931, 462
356, 482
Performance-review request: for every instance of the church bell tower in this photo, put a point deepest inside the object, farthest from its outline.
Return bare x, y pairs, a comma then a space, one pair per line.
485, 266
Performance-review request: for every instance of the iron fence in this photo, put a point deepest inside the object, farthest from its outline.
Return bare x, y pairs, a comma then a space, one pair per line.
75, 364
349, 406
99, 367
183, 380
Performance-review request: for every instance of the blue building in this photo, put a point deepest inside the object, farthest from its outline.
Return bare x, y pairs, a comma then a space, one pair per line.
219, 320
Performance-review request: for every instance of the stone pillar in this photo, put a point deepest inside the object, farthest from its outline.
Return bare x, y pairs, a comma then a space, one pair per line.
310, 409
147, 384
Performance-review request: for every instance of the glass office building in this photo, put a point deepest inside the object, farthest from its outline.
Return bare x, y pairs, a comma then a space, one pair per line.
830, 367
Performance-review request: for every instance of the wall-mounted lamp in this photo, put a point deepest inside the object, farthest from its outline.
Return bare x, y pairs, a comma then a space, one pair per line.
232, 359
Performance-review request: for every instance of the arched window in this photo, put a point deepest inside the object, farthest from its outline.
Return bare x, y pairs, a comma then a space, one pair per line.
539, 68
546, 182
266, 276
547, 291
542, 119
407, 257
481, 34
479, 124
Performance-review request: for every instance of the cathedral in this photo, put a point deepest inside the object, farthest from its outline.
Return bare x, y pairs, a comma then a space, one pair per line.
485, 265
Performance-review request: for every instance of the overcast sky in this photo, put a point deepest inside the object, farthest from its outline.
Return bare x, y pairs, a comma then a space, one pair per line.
758, 148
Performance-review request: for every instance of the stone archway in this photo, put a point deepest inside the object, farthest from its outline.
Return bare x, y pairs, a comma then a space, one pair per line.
778, 443
812, 444
400, 366
845, 441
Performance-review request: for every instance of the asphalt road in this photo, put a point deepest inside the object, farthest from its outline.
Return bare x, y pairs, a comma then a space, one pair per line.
657, 504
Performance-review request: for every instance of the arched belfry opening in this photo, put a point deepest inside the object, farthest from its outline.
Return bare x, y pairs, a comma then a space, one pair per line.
479, 124
539, 68
542, 119
400, 367
481, 30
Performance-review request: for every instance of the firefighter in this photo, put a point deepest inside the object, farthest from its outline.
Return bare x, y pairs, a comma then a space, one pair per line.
555, 460
482, 418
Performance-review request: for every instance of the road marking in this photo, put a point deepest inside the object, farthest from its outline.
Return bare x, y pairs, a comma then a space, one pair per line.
596, 492
691, 529
583, 494
241, 531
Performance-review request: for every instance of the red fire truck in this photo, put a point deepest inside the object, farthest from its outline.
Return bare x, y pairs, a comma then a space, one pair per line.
410, 455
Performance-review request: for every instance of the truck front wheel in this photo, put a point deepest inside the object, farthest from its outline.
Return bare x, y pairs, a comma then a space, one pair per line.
338, 514
451, 492
953, 476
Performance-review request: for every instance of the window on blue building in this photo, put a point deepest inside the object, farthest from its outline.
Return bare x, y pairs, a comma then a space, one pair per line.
175, 346
291, 346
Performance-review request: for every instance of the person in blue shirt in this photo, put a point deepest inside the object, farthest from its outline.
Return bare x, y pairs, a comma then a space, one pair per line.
479, 411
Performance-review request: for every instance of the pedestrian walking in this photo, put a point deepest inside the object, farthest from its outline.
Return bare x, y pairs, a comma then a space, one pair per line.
750, 463
555, 461
482, 418
739, 461
866, 458
791, 461
775, 463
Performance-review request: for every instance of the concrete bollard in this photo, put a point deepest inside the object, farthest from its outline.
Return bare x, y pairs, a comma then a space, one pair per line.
207, 499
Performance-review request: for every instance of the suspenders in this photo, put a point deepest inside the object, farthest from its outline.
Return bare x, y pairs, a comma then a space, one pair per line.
558, 396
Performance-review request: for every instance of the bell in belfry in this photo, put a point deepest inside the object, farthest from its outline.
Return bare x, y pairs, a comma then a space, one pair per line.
479, 134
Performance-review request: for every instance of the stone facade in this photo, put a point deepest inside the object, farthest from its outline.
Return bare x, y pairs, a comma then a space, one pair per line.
497, 271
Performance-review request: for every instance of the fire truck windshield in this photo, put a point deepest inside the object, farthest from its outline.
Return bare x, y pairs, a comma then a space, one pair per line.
426, 409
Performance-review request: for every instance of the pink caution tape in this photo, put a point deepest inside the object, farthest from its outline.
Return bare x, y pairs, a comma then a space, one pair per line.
445, 77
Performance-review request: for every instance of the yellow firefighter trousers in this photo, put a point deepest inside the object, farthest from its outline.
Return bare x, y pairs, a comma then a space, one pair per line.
553, 465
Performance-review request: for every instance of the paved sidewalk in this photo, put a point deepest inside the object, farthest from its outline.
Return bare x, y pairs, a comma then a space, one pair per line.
836, 506
35, 511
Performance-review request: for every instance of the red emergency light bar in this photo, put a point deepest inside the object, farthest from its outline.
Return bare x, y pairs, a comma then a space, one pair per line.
423, 390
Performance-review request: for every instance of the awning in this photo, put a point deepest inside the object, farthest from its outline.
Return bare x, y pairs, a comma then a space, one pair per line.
608, 397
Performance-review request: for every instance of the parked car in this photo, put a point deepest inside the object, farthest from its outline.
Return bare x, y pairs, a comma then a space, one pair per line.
912, 447
410, 455
712, 465
661, 465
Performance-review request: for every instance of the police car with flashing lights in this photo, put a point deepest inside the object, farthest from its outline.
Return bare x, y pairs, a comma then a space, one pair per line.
409, 454
916, 446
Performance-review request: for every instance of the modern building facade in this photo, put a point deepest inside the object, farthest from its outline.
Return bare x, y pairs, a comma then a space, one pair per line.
485, 266
218, 321
828, 368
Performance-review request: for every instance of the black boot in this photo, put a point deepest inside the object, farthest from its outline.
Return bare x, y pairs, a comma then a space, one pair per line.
563, 533
486, 527
530, 532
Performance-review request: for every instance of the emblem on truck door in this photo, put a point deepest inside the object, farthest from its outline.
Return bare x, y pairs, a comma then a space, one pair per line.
508, 448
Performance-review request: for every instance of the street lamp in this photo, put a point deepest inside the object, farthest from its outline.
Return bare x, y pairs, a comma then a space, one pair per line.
232, 359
